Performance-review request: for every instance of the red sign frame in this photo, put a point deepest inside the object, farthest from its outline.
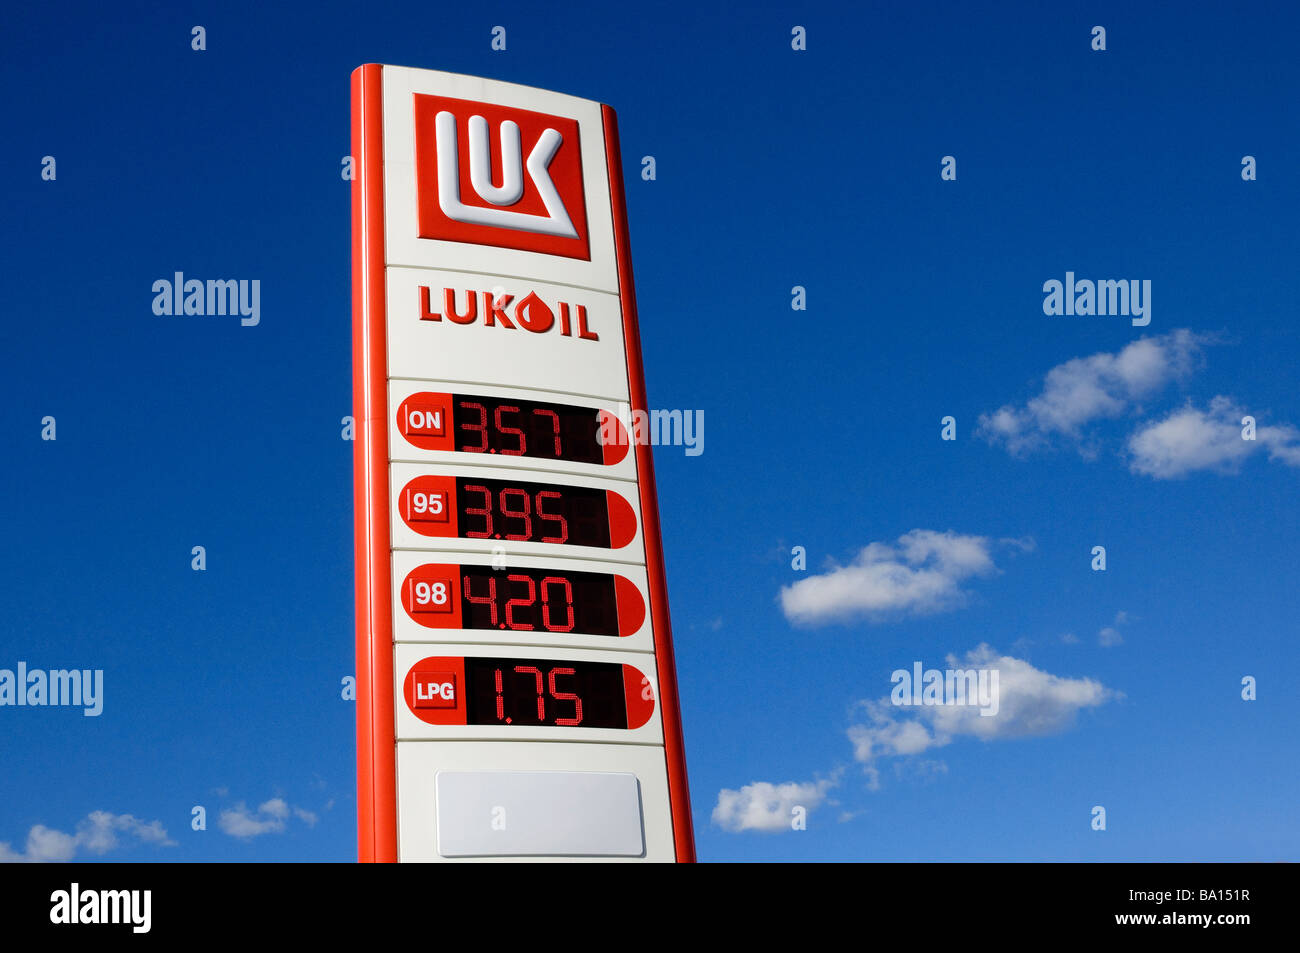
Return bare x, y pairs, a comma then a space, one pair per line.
376, 741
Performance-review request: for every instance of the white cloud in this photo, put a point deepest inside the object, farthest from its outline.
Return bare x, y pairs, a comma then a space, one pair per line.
1110, 634
276, 807
921, 573
307, 817
271, 817
239, 821
1190, 439
763, 806
97, 833
1087, 389
44, 845
1031, 702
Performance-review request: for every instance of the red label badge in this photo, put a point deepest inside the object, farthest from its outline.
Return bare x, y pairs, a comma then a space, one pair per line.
434, 689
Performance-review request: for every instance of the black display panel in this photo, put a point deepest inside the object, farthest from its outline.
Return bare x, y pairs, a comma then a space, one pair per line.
538, 600
532, 512
533, 692
524, 428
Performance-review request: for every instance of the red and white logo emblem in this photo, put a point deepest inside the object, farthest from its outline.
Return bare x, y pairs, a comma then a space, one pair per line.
493, 175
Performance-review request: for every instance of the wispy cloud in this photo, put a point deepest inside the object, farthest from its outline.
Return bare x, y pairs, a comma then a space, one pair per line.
271, 817
1031, 702
1087, 389
921, 573
98, 833
1110, 634
307, 817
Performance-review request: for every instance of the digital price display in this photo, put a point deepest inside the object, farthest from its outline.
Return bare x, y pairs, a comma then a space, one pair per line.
511, 427
450, 596
516, 511
528, 693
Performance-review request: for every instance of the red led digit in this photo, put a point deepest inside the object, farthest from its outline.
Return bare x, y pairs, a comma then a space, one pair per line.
490, 600
546, 604
485, 512
517, 601
474, 423
564, 524
481, 426
555, 426
567, 693
525, 514
566, 696
541, 697
503, 429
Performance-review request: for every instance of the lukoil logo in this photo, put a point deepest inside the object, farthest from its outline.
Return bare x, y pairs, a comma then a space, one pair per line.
539, 204
530, 312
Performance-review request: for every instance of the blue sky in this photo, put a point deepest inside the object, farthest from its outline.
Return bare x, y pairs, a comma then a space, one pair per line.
775, 168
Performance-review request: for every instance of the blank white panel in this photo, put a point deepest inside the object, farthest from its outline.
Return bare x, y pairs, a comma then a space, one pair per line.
420, 762
538, 813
